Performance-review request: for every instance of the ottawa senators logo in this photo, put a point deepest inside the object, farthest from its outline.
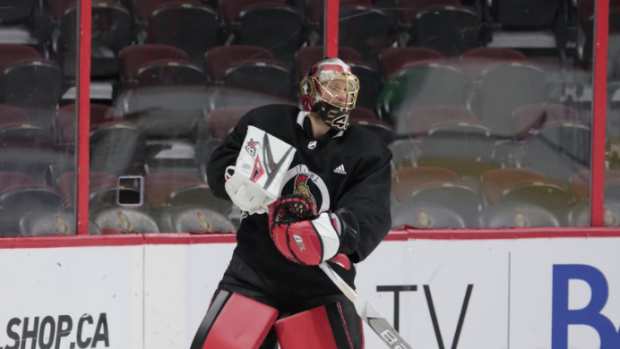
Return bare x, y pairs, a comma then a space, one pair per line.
424, 220
62, 228
251, 147
124, 223
204, 224
299, 180
611, 220
521, 220
301, 187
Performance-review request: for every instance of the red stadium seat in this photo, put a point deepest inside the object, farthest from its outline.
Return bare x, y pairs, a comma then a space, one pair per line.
449, 29
154, 65
494, 182
393, 59
248, 67
30, 82
271, 24
194, 219
111, 31
477, 60
187, 24
408, 9
532, 117
16, 11
19, 195
421, 120
504, 88
10, 114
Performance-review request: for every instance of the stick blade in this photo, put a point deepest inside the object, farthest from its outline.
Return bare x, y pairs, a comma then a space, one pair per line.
387, 333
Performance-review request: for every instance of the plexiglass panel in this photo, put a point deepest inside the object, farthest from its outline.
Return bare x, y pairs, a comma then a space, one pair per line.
35, 198
489, 104
168, 91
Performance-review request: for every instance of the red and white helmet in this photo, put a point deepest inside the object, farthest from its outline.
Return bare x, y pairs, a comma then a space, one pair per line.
330, 90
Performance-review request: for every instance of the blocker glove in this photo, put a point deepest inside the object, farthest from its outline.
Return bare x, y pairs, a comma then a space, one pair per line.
306, 237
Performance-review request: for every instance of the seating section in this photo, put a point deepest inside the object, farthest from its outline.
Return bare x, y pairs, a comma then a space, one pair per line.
485, 105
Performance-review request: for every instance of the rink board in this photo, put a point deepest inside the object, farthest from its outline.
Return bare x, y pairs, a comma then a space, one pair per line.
484, 294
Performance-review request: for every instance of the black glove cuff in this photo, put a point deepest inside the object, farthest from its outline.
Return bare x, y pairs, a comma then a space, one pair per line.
349, 235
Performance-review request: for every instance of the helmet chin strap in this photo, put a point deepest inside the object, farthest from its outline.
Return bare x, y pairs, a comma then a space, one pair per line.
335, 117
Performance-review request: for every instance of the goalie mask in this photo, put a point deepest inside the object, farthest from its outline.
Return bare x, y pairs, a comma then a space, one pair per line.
330, 90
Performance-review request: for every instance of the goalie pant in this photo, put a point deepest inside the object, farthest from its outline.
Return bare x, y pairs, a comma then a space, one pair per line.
348, 170
270, 313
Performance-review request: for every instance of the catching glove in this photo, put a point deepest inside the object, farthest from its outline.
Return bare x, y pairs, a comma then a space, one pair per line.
300, 234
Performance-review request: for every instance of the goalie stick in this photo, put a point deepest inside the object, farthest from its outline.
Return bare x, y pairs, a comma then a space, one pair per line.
367, 312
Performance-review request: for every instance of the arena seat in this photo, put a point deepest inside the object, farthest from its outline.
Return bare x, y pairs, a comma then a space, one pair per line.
408, 9
223, 120
180, 189
420, 84
24, 134
316, 9
393, 59
155, 65
426, 216
363, 114
188, 24
16, 11
248, 67
66, 123
102, 189
20, 194
407, 180
504, 88
510, 214
194, 219
421, 120
529, 118
48, 222
405, 152
579, 214
118, 148
548, 194
466, 148
271, 24
450, 30
111, 31
122, 220
366, 29
558, 149
30, 82
461, 198
525, 14
579, 184
10, 114
219, 59
477, 60
494, 182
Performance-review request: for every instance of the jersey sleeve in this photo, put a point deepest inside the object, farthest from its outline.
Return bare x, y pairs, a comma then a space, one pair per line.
226, 155
368, 200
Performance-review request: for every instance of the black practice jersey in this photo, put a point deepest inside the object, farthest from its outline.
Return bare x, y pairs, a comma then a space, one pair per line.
349, 169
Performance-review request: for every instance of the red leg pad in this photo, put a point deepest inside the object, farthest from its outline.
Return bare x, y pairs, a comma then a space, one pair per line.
242, 323
307, 330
